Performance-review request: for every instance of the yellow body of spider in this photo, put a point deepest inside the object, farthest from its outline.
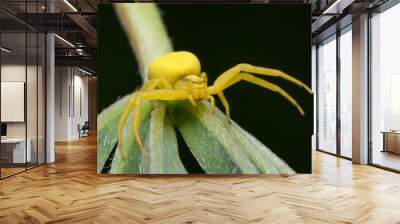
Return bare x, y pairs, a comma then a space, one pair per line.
178, 76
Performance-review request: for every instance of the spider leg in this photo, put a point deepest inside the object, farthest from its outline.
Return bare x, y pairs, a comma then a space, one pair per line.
224, 101
122, 121
165, 94
268, 85
212, 102
203, 75
155, 94
154, 83
192, 101
135, 124
151, 84
226, 77
217, 90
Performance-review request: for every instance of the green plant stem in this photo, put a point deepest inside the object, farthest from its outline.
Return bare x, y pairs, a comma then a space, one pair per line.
146, 32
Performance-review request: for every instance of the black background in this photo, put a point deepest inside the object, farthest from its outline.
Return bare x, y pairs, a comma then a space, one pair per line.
275, 36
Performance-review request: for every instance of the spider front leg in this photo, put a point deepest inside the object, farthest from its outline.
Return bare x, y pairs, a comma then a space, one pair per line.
268, 85
225, 78
223, 82
155, 94
151, 84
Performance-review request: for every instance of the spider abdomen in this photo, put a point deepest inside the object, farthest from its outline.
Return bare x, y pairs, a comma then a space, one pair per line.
174, 65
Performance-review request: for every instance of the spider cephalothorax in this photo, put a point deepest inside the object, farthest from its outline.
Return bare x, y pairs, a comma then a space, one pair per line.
178, 76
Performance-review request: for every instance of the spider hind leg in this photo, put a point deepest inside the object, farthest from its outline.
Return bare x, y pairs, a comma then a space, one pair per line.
121, 123
153, 94
136, 123
151, 84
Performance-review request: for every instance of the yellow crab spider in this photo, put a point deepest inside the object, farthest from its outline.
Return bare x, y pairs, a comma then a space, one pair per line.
178, 76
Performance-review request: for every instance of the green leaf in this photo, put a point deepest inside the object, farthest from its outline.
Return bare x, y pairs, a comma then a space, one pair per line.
107, 124
162, 145
212, 143
266, 161
223, 148
219, 147
133, 156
